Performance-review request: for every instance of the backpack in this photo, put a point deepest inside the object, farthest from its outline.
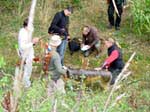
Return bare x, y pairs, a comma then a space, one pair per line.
46, 59
74, 45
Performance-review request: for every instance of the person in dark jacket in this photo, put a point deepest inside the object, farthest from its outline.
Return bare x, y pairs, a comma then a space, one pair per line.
111, 9
114, 63
59, 26
92, 39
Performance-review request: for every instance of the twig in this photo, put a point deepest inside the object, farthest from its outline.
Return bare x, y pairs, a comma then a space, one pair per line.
135, 81
118, 98
117, 80
125, 76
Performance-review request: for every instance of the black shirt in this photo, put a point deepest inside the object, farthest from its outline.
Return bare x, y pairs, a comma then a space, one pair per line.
59, 24
118, 63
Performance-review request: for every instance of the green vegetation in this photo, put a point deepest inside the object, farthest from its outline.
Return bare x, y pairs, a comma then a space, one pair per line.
141, 16
79, 98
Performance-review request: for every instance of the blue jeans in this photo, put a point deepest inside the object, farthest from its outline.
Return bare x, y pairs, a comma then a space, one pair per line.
61, 50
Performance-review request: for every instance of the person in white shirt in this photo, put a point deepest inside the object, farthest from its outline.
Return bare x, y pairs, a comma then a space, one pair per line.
26, 51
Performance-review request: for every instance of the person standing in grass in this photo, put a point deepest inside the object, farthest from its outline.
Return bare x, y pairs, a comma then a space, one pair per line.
59, 26
114, 63
26, 51
111, 9
55, 68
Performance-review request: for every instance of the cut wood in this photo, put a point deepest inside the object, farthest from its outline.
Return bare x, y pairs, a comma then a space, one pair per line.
106, 75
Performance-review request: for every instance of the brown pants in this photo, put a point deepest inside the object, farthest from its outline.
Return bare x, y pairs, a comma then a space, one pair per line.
56, 87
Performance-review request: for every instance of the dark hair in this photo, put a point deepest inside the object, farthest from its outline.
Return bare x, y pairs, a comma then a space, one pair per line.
85, 26
70, 9
25, 23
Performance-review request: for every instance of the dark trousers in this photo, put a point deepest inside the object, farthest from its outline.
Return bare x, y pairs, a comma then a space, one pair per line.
111, 10
115, 73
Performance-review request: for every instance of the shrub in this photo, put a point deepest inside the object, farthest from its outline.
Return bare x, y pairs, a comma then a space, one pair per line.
141, 16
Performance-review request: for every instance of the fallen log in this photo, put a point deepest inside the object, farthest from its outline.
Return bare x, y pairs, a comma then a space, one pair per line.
104, 74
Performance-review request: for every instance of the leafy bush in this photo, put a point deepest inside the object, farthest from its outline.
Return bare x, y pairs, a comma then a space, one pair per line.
141, 16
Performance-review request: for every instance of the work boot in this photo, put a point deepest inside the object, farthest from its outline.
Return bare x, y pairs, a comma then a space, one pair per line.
117, 28
110, 26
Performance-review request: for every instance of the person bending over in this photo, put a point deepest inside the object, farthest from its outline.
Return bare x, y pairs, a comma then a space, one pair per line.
114, 63
91, 40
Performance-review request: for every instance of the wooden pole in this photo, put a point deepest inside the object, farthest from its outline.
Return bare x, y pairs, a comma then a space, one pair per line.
115, 7
31, 18
17, 89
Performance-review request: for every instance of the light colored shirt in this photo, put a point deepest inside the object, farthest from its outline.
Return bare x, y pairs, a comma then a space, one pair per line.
25, 44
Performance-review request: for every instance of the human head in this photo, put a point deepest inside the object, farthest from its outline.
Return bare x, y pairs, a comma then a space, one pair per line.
109, 42
86, 30
55, 41
68, 11
25, 23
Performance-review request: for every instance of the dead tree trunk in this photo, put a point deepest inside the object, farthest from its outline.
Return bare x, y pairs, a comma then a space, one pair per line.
105, 75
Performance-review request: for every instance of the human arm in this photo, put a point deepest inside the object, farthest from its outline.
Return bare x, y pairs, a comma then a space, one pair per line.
53, 27
113, 56
93, 43
94, 36
58, 65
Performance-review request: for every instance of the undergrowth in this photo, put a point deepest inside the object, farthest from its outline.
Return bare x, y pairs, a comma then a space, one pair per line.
79, 98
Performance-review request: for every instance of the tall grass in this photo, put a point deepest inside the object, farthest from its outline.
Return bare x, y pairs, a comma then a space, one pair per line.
141, 16
92, 12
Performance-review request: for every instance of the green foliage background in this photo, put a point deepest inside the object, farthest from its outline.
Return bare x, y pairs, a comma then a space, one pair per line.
135, 21
141, 16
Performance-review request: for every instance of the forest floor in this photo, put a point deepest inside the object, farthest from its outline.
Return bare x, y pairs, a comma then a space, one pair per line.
136, 86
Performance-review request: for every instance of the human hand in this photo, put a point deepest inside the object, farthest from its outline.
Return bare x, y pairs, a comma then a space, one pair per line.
82, 45
90, 46
68, 37
64, 67
35, 40
99, 68
63, 30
